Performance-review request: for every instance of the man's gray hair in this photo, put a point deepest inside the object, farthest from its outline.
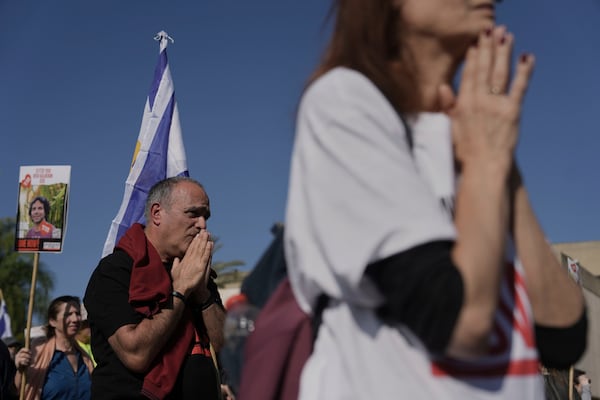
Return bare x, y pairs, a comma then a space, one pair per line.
161, 192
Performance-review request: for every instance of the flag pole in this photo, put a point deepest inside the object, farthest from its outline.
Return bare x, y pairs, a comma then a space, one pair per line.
36, 260
571, 383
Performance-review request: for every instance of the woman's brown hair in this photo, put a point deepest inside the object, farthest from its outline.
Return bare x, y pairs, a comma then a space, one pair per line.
365, 38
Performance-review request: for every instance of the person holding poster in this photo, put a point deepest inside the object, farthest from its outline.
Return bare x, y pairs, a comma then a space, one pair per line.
38, 210
56, 366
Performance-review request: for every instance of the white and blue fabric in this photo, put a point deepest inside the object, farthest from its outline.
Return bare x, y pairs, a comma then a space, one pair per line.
5, 328
159, 152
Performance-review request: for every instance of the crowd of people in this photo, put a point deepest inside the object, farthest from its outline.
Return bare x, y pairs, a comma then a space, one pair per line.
154, 325
406, 207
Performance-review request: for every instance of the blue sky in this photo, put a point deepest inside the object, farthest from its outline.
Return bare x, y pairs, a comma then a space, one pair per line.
75, 76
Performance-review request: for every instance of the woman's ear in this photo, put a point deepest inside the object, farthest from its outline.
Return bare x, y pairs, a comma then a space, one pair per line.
52, 323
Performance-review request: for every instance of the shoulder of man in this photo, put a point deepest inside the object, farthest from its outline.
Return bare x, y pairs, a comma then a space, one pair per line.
118, 258
116, 265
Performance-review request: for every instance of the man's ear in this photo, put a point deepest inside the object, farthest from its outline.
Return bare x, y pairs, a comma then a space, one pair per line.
155, 214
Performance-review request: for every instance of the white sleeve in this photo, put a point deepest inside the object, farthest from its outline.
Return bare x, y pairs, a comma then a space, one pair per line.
355, 195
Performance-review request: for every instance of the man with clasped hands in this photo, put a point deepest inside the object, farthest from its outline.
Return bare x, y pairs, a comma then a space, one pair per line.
154, 309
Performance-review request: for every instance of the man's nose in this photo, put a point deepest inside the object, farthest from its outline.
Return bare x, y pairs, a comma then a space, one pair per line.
201, 223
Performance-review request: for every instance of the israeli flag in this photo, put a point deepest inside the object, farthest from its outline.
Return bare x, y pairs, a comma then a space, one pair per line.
159, 152
5, 328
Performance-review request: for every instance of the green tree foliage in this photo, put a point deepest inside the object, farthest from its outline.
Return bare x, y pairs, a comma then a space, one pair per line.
56, 196
15, 281
226, 271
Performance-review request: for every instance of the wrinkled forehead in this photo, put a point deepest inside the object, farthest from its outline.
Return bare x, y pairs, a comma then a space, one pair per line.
189, 194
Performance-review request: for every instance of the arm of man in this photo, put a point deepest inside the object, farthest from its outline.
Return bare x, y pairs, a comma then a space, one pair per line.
137, 345
214, 320
208, 302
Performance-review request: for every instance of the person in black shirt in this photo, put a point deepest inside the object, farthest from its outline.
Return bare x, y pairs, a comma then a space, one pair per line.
153, 307
7, 374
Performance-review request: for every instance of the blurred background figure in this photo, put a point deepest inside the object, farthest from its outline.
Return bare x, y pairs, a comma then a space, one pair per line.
13, 345
239, 323
7, 374
57, 367
583, 384
84, 336
556, 383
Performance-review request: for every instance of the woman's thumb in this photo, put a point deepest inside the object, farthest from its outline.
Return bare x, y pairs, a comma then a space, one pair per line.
446, 97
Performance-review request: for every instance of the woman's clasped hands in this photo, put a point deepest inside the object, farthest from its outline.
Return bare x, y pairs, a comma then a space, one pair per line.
485, 112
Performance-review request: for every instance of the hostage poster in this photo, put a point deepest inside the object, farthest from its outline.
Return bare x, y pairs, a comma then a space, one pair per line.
42, 208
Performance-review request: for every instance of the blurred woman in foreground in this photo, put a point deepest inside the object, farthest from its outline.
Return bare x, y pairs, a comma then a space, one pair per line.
406, 207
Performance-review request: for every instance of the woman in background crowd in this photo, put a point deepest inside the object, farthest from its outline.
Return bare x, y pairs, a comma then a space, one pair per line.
57, 367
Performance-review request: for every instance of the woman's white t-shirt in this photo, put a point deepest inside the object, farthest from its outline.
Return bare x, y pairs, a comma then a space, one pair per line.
358, 193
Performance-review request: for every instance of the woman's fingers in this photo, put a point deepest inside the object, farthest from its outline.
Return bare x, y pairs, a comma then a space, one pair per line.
469, 72
485, 111
486, 69
22, 358
501, 67
485, 59
521, 80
